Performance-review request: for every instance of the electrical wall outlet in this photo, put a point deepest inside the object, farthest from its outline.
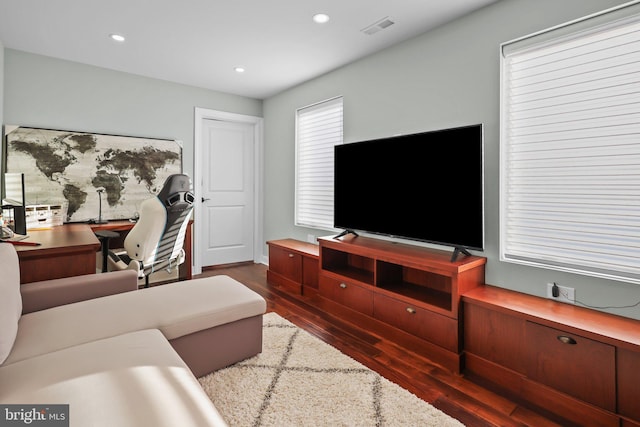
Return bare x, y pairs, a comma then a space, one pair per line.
565, 294
311, 238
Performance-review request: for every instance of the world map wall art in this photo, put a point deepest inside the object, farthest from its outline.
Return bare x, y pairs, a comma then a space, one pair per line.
76, 169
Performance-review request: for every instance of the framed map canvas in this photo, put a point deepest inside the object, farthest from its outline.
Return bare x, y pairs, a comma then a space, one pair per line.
68, 168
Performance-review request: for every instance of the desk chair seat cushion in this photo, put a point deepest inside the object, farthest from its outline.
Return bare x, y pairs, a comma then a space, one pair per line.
134, 379
10, 299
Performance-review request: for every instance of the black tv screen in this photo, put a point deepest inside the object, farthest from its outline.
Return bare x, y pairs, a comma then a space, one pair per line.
425, 186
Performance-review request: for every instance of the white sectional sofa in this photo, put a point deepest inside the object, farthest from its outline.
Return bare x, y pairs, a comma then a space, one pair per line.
129, 358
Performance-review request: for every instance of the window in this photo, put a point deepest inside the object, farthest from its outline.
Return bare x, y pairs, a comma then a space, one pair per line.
318, 130
570, 147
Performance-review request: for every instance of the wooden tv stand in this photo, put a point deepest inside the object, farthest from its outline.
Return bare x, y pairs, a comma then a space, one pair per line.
578, 364
414, 290
293, 266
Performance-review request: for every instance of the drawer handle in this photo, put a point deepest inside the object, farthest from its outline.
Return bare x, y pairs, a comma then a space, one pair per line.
290, 255
411, 310
343, 285
566, 340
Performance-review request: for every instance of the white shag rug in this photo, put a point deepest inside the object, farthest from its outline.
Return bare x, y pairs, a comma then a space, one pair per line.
299, 380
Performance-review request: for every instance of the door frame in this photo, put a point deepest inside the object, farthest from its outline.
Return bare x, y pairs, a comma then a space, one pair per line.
202, 114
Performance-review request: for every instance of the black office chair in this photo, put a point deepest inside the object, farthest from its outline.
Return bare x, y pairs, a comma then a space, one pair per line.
156, 241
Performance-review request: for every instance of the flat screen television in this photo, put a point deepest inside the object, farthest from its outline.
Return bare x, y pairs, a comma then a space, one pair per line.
425, 186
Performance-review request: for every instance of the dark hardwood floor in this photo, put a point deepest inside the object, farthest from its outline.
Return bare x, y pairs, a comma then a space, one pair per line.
453, 394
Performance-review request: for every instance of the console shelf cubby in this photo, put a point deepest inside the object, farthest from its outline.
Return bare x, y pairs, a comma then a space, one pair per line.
411, 288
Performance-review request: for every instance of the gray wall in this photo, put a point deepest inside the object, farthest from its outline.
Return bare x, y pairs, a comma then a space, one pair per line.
51, 93
1, 99
446, 77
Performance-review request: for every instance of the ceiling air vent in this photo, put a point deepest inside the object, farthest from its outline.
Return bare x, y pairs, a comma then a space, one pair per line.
378, 26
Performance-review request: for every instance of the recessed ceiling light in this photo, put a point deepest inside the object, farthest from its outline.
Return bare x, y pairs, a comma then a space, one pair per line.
117, 37
239, 69
321, 18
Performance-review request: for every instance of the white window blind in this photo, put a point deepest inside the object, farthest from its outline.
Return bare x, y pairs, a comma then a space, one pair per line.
570, 150
318, 130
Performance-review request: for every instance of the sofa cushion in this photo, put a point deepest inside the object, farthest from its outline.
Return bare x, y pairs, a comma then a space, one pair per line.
46, 294
177, 309
135, 379
10, 299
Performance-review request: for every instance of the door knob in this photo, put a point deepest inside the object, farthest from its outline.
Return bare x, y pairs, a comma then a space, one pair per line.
204, 200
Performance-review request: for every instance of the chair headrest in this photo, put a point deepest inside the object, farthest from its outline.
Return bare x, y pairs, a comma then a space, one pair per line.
176, 189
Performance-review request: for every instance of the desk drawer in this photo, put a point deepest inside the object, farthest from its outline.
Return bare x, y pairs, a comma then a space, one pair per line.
433, 327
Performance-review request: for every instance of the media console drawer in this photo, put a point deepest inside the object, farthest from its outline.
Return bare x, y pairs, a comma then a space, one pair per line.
412, 318
628, 363
579, 364
293, 265
570, 363
354, 296
286, 263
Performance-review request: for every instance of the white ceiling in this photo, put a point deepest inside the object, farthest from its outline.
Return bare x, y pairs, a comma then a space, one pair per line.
200, 42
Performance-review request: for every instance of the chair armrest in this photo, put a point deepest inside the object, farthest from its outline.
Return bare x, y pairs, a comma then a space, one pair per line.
38, 296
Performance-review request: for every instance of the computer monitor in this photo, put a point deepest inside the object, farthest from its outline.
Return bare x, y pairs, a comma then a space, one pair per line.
14, 201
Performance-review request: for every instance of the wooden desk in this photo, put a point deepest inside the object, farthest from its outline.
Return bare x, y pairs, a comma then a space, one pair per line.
64, 251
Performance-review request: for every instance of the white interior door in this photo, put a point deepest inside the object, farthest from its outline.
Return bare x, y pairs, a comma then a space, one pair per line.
227, 192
